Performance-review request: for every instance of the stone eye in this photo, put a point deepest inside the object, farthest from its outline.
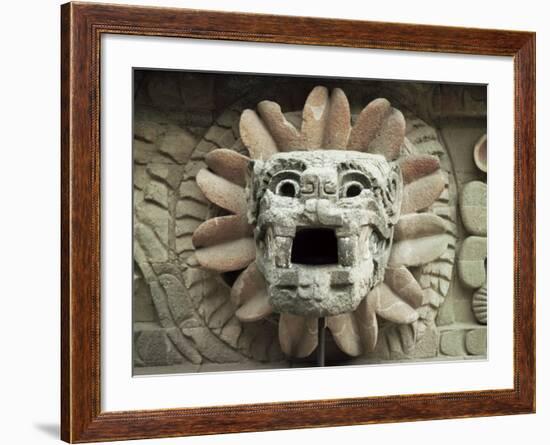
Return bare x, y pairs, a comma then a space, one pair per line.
353, 183
288, 188
353, 189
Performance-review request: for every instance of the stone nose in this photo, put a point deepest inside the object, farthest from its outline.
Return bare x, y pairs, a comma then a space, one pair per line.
319, 183
323, 212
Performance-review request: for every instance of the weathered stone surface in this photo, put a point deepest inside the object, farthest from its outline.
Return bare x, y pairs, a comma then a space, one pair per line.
413, 226
249, 283
286, 136
189, 189
228, 164
424, 137
153, 346
408, 335
147, 131
314, 118
432, 297
145, 152
383, 302
184, 345
186, 226
446, 315
471, 261
138, 197
462, 307
151, 246
180, 306
191, 209
479, 304
222, 229
414, 252
167, 173
405, 285
367, 322
142, 263
219, 136
193, 167
231, 332
473, 207
389, 306
249, 293
422, 193
157, 192
222, 192
390, 137
345, 333
368, 124
379, 129
295, 118
427, 345
211, 302
452, 343
256, 137
255, 308
140, 177
297, 335
417, 166
480, 153
476, 341
159, 300
153, 214
233, 255
440, 269
257, 340
210, 346
338, 124
142, 304
178, 144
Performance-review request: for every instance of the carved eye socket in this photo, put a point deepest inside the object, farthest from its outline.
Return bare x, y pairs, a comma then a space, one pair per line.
286, 183
288, 188
353, 189
353, 183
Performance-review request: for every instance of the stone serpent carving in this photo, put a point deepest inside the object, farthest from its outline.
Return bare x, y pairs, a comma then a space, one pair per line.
362, 187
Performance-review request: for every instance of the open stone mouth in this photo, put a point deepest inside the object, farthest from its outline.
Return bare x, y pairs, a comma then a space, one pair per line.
316, 271
314, 274
315, 247
325, 246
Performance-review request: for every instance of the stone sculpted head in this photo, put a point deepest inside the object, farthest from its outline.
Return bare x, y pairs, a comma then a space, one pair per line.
325, 218
324, 224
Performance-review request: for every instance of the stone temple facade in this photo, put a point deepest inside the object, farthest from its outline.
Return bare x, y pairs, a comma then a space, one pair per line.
198, 302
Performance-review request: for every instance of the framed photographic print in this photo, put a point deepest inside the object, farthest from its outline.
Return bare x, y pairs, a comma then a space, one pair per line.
277, 222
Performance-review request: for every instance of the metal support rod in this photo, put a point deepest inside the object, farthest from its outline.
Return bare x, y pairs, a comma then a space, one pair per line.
321, 325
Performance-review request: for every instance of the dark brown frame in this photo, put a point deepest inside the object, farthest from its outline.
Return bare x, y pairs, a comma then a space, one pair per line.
81, 28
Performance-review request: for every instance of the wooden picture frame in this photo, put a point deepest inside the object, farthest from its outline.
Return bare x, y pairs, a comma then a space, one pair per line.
82, 26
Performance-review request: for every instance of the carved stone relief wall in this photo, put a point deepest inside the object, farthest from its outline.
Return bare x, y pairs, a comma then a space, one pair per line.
198, 293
